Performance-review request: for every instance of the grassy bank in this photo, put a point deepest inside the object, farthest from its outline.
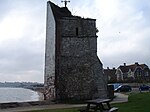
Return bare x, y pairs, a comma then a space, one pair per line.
139, 102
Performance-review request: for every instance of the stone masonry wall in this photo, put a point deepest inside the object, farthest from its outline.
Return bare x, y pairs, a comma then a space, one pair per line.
81, 73
49, 75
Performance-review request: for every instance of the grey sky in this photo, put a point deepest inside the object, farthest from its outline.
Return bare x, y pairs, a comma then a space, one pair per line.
124, 31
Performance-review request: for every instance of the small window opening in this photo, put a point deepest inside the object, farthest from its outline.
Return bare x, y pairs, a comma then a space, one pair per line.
77, 32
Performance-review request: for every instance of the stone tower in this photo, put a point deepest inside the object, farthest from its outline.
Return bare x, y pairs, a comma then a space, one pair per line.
72, 67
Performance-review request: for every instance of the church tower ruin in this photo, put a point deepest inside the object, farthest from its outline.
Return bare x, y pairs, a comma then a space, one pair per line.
72, 67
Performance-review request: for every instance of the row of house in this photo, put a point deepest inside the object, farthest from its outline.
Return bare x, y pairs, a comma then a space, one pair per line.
128, 73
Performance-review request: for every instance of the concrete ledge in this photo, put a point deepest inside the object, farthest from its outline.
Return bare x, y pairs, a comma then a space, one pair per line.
24, 104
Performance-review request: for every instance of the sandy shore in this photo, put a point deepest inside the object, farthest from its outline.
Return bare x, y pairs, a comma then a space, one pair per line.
41, 96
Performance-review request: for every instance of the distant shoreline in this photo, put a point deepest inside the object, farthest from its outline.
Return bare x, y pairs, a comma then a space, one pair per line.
13, 104
41, 96
9, 94
40, 92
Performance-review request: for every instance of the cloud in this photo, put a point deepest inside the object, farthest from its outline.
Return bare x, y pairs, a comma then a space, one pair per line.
22, 38
123, 34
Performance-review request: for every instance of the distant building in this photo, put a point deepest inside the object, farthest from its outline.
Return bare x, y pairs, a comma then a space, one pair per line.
111, 75
72, 67
133, 73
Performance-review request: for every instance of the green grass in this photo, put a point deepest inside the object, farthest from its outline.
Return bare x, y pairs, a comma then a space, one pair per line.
138, 102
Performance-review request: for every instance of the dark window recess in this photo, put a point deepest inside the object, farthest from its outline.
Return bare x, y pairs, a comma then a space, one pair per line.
77, 32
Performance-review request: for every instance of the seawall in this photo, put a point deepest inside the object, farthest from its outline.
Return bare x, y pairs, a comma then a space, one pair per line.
24, 104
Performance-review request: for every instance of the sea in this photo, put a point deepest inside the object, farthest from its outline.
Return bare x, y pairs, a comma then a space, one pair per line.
18, 95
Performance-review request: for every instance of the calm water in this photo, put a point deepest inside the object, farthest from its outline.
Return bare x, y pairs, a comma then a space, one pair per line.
18, 95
